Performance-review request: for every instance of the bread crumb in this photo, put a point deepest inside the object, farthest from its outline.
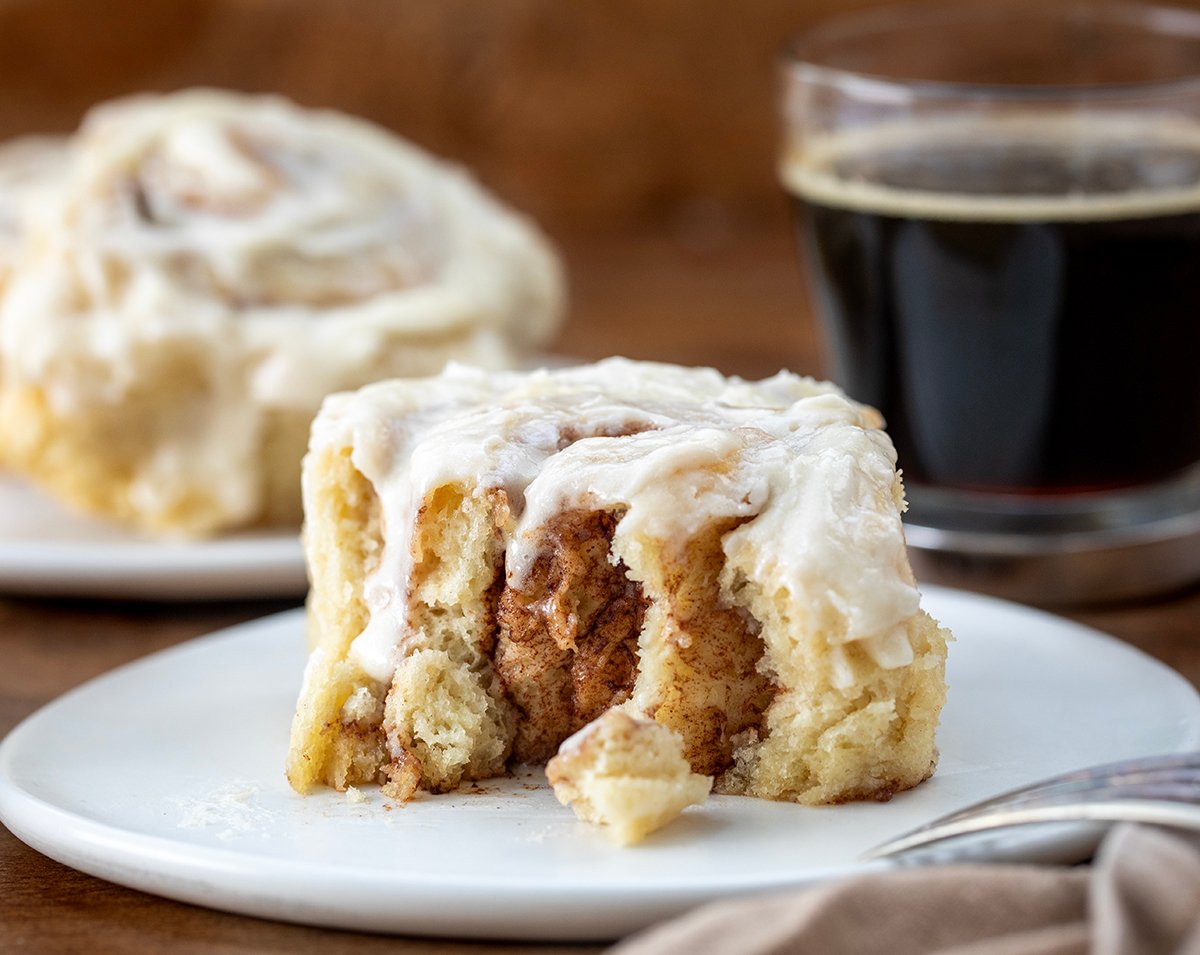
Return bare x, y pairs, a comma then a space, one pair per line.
627, 775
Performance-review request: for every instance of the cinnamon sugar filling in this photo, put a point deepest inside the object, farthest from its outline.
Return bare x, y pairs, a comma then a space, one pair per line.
567, 644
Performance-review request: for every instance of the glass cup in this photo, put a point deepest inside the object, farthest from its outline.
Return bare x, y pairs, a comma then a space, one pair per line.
998, 208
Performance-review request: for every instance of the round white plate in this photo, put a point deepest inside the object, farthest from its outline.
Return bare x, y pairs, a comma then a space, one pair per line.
166, 775
47, 551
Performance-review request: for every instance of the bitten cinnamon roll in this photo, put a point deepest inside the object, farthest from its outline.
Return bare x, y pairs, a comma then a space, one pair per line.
498, 560
211, 267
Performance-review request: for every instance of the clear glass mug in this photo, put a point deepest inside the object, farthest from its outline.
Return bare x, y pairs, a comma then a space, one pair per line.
998, 208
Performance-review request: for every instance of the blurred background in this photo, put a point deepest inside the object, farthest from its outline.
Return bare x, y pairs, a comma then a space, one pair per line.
640, 133
596, 114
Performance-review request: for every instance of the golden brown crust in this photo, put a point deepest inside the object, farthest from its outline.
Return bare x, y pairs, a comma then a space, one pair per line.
403, 777
343, 542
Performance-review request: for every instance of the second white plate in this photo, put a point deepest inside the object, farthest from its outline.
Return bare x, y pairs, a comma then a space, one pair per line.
166, 775
47, 551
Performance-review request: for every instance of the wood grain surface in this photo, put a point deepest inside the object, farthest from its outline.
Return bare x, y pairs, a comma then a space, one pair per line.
640, 132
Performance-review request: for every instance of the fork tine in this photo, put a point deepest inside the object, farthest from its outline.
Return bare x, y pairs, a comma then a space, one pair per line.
1120, 774
1183, 816
1173, 760
1184, 766
1167, 791
1163, 788
1173, 783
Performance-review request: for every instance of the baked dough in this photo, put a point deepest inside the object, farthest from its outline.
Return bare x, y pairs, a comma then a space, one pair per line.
498, 559
626, 775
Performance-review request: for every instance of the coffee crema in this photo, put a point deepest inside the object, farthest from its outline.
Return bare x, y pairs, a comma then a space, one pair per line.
1019, 296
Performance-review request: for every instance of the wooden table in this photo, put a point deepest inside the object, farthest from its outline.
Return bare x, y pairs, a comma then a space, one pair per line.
714, 294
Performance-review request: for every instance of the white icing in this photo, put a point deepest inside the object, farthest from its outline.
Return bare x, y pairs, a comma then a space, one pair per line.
672, 481
809, 473
286, 253
29, 166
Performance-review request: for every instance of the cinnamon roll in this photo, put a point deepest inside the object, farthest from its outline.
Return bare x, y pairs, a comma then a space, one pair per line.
499, 559
211, 266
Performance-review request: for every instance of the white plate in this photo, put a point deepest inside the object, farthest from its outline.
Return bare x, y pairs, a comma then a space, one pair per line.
48, 552
166, 775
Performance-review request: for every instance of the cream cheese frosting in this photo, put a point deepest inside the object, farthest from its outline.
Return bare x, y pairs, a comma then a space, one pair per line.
809, 474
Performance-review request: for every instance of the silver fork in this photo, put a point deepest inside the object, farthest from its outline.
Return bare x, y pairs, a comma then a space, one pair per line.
1162, 790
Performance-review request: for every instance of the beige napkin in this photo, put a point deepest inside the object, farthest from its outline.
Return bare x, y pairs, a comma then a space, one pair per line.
1140, 897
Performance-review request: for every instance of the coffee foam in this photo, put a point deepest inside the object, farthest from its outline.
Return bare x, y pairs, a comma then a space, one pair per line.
809, 168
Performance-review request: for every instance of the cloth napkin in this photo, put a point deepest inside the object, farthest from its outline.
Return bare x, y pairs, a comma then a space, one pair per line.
1141, 896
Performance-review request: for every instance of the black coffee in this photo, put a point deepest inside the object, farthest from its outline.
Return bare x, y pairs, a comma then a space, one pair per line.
1026, 317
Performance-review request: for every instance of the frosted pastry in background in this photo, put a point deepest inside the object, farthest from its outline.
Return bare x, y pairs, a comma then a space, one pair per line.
212, 266
29, 167
500, 559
